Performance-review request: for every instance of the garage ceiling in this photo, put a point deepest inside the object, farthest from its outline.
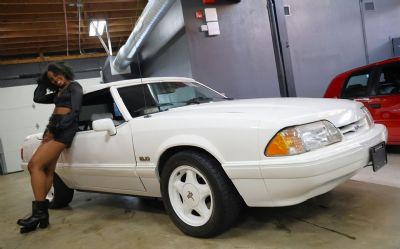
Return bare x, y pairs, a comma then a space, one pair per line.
37, 28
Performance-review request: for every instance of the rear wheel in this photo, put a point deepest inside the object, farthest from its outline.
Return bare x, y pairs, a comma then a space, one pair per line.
197, 195
59, 195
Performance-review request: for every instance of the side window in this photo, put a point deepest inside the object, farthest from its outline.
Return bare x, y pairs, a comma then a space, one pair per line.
356, 85
138, 100
389, 80
98, 105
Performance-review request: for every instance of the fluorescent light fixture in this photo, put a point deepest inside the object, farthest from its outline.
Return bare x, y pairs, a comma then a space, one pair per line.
97, 25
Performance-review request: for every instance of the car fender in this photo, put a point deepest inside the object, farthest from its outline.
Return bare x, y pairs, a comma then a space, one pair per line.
195, 141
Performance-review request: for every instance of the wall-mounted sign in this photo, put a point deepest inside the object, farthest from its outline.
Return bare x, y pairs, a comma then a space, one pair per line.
199, 14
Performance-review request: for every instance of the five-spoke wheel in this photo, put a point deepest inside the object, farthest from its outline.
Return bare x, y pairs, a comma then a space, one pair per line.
190, 195
197, 194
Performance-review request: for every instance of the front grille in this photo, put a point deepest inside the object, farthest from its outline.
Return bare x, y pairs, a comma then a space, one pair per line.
354, 128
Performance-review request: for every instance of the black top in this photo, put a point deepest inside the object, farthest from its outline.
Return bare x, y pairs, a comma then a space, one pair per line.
70, 97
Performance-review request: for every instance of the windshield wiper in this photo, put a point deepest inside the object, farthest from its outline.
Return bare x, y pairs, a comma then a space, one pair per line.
198, 100
152, 106
225, 98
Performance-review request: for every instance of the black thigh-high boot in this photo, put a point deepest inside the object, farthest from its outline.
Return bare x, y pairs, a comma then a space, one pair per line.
40, 216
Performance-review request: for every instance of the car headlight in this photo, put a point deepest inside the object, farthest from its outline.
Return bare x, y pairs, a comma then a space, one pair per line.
299, 139
368, 116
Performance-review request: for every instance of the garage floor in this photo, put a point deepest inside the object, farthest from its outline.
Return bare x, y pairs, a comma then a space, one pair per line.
354, 215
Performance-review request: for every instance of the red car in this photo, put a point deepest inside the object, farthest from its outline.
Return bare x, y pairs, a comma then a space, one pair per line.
377, 86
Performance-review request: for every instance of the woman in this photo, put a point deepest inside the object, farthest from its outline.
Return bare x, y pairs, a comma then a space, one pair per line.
63, 124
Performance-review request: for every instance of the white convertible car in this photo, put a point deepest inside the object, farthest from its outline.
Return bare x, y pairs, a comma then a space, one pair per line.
206, 154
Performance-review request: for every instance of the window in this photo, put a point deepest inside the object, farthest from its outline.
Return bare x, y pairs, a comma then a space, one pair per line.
356, 85
389, 80
138, 100
96, 27
161, 96
98, 105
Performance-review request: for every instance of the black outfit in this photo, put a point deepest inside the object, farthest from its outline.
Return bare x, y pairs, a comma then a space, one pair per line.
63, 127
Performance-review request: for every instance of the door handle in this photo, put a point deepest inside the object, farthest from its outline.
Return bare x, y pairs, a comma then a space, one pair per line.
375, 106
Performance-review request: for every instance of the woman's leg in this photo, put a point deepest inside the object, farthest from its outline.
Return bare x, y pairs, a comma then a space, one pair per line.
41, 167
50, 175
49, 170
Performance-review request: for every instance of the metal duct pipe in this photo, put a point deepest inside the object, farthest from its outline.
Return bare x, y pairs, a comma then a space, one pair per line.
151, 15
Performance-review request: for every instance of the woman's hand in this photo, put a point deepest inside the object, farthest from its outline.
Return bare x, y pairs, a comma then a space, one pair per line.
47, 136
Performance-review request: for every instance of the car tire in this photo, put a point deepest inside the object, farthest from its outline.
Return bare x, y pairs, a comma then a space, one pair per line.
59, 195
197, 194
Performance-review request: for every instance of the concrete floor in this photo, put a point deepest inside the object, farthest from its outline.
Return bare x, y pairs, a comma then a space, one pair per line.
354, 215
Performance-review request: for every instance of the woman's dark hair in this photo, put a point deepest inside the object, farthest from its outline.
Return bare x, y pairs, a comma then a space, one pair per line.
61, 68
43, 80
57, 68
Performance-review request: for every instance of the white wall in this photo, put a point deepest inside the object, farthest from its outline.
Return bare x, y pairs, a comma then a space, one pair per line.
20, 116
381, 26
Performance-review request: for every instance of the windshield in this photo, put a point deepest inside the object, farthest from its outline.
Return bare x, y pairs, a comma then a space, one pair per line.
155, 97
175, 94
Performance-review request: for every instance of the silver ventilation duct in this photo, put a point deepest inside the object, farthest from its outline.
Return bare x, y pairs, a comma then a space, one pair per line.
151, 15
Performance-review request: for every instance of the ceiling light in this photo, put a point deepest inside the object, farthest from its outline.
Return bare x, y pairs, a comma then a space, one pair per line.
97, 27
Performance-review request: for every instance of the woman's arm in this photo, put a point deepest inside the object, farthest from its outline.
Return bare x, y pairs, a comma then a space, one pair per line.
40, 96
76, 102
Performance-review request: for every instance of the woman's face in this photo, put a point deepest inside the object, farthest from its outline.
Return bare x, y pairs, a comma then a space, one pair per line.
57, 79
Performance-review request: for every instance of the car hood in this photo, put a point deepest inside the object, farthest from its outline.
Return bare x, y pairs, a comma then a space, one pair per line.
279, 110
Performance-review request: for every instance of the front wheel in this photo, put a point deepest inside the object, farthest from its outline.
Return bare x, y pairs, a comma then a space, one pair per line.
197, 195
59, 195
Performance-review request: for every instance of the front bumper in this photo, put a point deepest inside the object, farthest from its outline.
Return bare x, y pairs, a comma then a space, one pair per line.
284, 181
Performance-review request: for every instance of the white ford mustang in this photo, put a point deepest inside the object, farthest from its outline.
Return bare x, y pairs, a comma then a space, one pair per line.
206, 154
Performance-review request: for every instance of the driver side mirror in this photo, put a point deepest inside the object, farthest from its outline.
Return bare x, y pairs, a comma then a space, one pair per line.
105, 124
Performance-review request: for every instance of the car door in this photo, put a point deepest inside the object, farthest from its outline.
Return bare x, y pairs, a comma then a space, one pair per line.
96, 160
139, 103
384, 99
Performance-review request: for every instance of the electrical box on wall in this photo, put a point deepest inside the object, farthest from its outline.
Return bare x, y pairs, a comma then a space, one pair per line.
396, 46
212, 21
211, 14
211, 18
213, 28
